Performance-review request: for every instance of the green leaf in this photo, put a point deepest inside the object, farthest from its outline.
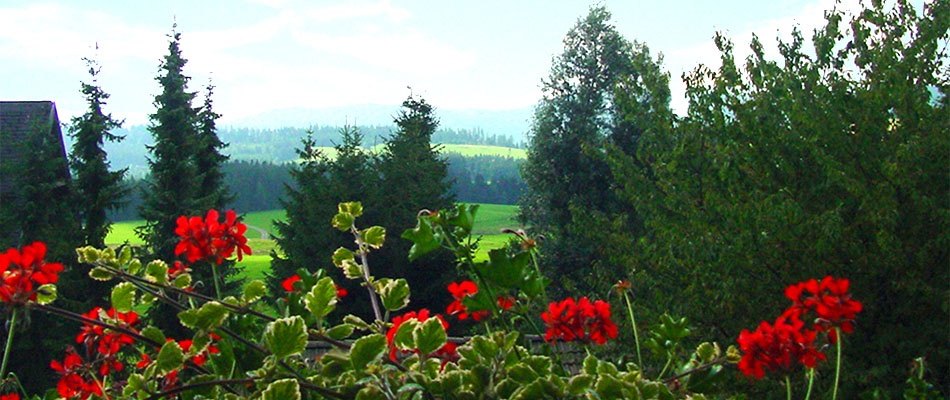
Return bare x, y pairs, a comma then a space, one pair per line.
429, 336
135, 383
322, 298
373, 236
366, 350
356, 322
423, 240
341, 255
125, 255
286, 336
122, 296
403, 338
284, 389
157, 271
170, 358
46, 294
502, 270
343, 221
211, 315
153, 333
340, 332
135, 266
182, 281
465, 218
353, 207
254, 290
395, 294
100, 274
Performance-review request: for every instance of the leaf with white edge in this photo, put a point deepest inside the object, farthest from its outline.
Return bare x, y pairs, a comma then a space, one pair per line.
366, 350
322, 298
343, 221
153, 333
284, 389
46, 294
199, 342
182, 281
395, 294
286, 336
122, 296
429, 336
125, 255
341, 255
352, 207
403, 338
211, 315
373, 236
147, 298
189, 318
352, 270
87, 254
157, 271
356, 322
254, 290
135, 266
170, 358
100, 274
340, 332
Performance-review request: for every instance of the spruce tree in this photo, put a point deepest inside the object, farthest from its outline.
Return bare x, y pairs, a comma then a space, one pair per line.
569, 184
414, 177
97, 188
211, 191
172, 190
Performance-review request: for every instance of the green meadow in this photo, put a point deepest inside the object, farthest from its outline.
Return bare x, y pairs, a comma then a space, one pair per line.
489, 221
467, 150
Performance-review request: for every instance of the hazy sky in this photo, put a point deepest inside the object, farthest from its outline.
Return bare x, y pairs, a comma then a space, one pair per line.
270, 54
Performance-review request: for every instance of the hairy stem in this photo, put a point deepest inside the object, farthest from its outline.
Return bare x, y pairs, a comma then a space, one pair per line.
834, 392
364, 260
633, 323
788, 388
811, 380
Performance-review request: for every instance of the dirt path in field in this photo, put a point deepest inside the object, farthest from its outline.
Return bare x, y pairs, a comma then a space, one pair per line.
264, 234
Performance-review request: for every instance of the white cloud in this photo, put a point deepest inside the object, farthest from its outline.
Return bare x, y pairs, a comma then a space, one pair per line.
353, 10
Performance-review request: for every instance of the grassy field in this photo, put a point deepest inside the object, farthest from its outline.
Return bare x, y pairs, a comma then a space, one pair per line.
489, 221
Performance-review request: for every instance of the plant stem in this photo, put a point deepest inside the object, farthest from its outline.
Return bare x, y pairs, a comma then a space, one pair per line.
633, 323
6, 350
811, 379
365, 262
669, 359
788, 388
180, 389
706, 366
214, 276
834, 393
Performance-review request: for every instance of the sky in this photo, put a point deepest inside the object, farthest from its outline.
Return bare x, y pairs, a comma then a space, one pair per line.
271, 54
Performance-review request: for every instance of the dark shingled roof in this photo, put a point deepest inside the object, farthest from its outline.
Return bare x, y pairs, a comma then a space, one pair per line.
22, 123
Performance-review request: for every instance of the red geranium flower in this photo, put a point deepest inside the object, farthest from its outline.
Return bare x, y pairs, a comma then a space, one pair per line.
569, 320
19, 270
288, 284
505, 303
10, 396
340, 292
72, 384
829, 299
777, 347
459, 291
209, 239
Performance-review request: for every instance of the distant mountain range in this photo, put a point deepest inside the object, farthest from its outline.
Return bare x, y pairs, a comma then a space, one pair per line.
513, 123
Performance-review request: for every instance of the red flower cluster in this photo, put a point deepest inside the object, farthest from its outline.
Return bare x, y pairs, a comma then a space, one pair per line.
777, 347
446, 352
459, 291
72, 384
581, 320
107, 344
10, 396
780, 346
288, 285
831, 302
208, 238
468, 288
19, 270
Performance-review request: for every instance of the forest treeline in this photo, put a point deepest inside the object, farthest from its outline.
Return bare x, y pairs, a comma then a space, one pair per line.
276, 145
259, 185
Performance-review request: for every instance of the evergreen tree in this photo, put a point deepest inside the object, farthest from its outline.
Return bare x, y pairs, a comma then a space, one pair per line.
172, 190
568, 180
211, 192
97, 188
414, 177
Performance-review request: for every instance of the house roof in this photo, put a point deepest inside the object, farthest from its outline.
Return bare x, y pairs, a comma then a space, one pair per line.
24, 125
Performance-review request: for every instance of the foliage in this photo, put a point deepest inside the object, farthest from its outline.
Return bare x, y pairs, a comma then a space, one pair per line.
568, 180
831, 162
